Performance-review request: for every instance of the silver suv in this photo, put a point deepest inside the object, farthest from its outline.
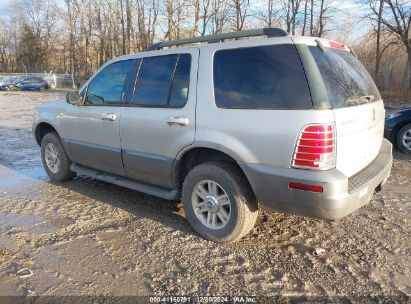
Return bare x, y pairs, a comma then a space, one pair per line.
291, 124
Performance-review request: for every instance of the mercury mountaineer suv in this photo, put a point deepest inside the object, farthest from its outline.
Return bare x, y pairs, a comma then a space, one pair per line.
229, 123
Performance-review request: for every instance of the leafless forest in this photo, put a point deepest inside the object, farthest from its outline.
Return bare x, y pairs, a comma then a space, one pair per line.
77, 36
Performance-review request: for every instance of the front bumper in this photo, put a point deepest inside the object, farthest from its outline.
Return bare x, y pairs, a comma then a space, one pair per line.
341, 195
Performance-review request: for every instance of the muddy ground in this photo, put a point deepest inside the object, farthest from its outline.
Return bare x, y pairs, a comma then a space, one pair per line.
87, 237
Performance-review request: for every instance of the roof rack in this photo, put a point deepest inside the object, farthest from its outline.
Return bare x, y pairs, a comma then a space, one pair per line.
269, 32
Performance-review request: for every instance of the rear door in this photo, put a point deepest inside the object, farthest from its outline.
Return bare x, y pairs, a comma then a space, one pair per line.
37, 83
159, 119
356, 103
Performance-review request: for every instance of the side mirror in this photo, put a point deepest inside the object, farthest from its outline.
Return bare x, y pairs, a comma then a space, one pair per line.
73, 98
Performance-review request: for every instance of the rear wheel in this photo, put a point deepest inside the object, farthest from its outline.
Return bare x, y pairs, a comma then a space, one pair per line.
218, 202
404, 138
54, 158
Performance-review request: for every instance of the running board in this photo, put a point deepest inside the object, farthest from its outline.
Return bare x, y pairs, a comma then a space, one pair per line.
127, 183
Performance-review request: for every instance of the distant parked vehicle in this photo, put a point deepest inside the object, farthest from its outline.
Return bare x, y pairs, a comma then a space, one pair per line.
398, 128
59, 81
8, 83
31, 83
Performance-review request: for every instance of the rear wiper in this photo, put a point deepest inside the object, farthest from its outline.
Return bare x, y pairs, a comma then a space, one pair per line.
355, 101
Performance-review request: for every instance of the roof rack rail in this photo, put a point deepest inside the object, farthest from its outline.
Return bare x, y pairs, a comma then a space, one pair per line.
269, 32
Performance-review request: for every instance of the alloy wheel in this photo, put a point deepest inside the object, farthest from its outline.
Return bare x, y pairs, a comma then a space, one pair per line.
51, 156
211, 204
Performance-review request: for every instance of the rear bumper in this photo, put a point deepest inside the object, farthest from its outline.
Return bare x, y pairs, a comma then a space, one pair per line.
341, 195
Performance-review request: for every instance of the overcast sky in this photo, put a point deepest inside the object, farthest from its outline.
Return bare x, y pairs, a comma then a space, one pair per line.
4, 5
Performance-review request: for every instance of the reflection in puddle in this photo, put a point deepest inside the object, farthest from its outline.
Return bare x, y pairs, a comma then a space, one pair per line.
34, 224
19, 220
37, 173
12, 179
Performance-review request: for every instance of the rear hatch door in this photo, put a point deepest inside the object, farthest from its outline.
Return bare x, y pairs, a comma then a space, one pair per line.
356, 103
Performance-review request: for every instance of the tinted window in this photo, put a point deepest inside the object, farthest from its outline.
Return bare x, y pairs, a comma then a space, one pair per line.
163, 81
344, 77
181, 81
107, 87
153, 83
265, 77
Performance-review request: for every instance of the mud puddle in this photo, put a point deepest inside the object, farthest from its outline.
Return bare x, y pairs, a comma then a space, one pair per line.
16, 179
32, 223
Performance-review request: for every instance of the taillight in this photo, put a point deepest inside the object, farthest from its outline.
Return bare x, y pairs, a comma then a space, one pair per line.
315, 148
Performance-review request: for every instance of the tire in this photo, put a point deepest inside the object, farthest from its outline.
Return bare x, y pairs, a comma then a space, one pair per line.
403, 143
58, 167
242, 206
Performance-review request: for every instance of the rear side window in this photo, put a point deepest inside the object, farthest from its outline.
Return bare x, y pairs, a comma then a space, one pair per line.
163, 81
181, 81
345, 78
264, 77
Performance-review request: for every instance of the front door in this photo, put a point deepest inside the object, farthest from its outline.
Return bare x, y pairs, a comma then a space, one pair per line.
95, 141
159, 119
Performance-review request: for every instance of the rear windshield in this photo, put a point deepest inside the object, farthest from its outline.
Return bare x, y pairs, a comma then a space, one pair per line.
263, 77
346, 80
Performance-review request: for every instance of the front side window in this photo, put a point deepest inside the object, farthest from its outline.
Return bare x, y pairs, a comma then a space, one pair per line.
108, 86
263, 77
163, 81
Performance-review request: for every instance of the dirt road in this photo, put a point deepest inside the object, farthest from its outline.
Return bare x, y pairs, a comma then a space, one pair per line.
87, 237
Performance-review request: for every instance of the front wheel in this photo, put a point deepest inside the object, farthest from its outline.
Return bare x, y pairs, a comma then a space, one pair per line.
218, 202
54, 158
404, 138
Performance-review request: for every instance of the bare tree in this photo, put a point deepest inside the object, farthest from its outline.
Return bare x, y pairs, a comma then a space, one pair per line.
241, 10
397, 19
378, 44
305, 17
206, 14
321, 19
326, 9
221, 16
312, 18
292, 8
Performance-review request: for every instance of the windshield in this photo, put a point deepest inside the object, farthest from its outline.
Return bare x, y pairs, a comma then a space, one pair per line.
346, 80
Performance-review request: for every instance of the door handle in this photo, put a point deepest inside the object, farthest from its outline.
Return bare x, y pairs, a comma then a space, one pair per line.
178, 120
108, 116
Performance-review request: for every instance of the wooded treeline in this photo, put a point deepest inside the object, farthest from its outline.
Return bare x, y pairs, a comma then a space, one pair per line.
77, 36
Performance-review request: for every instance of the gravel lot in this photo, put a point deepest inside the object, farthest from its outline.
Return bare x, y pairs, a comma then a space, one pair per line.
87, 237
